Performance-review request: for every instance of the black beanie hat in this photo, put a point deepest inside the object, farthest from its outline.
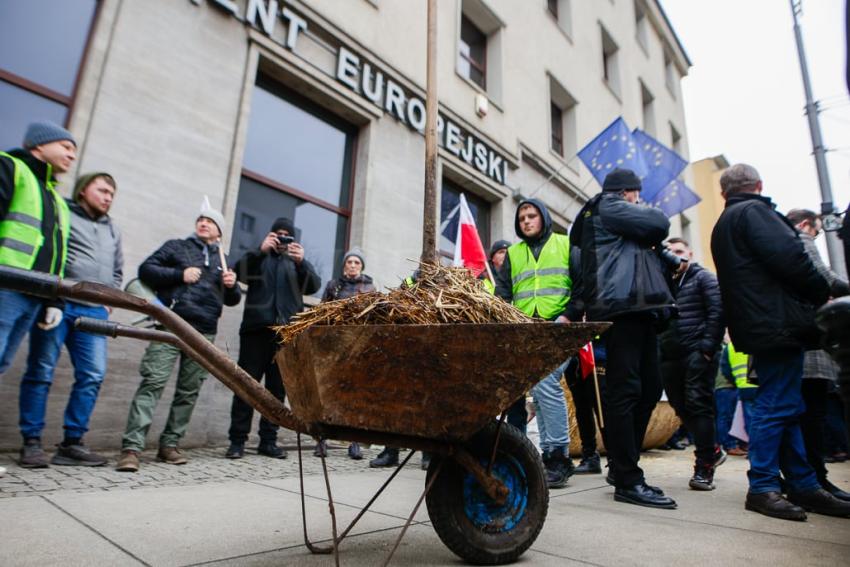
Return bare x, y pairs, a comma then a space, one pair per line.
284, 223
621, 180
498, 245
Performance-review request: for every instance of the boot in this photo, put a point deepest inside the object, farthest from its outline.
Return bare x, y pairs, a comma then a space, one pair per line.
555, 475
171, 456
129, 461
270, 449
561, 460
321, 449
235, 451
354, 452
386, 458
32, 455
703, 478
590, 464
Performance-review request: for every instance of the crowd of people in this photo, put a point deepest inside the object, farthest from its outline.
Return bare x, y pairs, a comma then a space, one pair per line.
669, 318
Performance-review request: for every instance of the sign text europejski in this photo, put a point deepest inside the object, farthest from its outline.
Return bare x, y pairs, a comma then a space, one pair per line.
373, 85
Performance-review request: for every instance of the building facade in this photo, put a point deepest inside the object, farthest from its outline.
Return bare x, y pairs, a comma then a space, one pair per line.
315, 110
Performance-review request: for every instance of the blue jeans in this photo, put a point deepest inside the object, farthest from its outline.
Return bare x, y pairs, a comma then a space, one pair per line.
551, 407
17, 315
88, 355
776, 442
725, 400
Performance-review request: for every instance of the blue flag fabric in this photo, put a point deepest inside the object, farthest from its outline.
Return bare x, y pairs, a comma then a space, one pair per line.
614, 147
675, 198
663, 165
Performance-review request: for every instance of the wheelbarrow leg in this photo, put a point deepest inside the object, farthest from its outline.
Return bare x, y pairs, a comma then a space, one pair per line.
428, 486
496, 442
310, 545
331, 509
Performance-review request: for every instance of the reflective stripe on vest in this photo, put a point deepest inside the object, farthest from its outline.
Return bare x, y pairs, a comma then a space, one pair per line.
20, 230
738, 362
541, 286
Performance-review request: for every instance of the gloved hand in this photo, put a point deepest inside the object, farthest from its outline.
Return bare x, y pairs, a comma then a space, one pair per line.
52, 318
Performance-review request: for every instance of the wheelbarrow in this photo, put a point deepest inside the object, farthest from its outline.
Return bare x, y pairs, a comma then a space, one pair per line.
435, 388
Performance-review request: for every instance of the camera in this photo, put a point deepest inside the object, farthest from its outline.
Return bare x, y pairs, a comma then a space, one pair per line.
285, 240
831, 222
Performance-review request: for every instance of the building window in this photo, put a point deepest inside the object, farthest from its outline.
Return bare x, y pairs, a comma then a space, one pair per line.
562, 122
472, 58
552, 5
306, 177
38, 78
641, 26
671, 77
675, 140
647, 103
562, 12
610, 62
480, 209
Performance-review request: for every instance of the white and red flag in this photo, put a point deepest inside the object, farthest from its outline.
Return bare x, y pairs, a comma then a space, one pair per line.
587, 362
469, 251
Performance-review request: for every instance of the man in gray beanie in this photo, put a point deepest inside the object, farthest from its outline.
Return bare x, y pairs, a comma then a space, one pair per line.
34, 227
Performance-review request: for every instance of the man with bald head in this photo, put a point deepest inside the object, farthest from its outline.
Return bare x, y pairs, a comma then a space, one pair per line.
770, 290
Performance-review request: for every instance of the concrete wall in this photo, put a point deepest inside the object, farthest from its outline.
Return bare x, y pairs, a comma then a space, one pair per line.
164, 102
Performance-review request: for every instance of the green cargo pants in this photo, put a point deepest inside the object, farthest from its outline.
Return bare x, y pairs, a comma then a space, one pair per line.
155, 368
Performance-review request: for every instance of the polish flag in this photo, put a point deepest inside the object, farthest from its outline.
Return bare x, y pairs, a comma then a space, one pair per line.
586, 360
469, 251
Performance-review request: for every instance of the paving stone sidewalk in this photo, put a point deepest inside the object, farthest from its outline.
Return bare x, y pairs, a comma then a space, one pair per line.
205, 465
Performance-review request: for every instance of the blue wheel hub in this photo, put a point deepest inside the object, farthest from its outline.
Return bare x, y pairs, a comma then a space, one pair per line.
486, 514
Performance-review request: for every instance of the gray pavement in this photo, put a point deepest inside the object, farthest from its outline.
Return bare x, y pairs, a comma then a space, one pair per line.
247, 513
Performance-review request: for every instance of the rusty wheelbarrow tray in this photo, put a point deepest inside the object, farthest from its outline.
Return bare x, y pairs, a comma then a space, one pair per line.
432, 388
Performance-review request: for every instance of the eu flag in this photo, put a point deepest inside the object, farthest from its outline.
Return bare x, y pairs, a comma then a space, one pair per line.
614, 147
663, 165
675, 198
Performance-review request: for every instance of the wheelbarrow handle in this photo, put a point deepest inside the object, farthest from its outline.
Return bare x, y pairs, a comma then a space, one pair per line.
29, 282
113, 329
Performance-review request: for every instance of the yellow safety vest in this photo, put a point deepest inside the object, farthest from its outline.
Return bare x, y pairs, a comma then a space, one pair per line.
20, 230
738, 362
541, 287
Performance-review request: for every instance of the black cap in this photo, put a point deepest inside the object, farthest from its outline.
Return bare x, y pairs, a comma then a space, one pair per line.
284, 223
621, 180
498, 245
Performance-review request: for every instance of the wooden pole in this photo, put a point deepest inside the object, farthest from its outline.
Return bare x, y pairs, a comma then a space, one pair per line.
429, 224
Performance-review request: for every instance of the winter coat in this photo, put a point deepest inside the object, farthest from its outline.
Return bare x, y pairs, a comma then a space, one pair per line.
838, 286
276, 286
698, 326
344, 287
621, 270
200, 303
94, 249
769, 286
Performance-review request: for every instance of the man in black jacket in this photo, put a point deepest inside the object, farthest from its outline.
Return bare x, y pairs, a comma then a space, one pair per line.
278, 277
770, 290
187, 276
690, 357
623, 280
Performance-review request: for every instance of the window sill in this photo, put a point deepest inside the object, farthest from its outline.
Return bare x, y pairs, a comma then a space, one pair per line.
497, 105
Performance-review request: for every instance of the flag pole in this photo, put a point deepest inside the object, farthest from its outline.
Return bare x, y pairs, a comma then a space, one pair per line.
596, 386
429, 224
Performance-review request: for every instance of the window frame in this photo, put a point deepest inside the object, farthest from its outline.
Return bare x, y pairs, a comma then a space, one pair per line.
552, 7
557, 128
480, 67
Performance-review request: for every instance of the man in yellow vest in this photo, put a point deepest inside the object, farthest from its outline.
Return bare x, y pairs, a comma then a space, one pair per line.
535, 278
34, 227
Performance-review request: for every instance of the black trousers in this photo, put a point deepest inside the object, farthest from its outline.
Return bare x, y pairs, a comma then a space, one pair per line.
583, 391
256, 355
633, 387
689, 383
815, 395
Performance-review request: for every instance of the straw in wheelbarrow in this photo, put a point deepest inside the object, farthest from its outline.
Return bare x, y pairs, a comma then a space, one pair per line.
440, 295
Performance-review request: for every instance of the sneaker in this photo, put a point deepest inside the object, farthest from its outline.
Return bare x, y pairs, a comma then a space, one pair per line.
321, 449
129, 461
719, 456
33, 456
589, 465
270, 449
354, 452
703, 478
77, 456
235, 451
171, 456
386, 458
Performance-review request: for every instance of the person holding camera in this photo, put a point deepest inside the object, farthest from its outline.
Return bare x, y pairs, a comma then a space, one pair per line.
624, 280
278, 276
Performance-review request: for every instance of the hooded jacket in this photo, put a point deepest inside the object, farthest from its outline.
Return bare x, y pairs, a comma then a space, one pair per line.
504, 283
276, 288
344, 287
94, 249
200, 303
769, 285
621, 271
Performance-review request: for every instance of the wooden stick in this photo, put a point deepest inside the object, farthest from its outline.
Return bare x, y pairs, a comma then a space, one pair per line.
598, 397
429, 224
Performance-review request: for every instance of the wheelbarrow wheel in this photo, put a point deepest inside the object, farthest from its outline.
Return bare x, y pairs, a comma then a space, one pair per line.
468, 521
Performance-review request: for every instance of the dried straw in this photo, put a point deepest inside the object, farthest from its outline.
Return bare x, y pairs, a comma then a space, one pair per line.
440, 295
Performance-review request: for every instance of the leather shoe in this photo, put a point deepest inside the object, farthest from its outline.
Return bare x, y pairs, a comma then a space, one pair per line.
270, 449
235, 451
643, 495
774, 505
820, 502
835, 491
